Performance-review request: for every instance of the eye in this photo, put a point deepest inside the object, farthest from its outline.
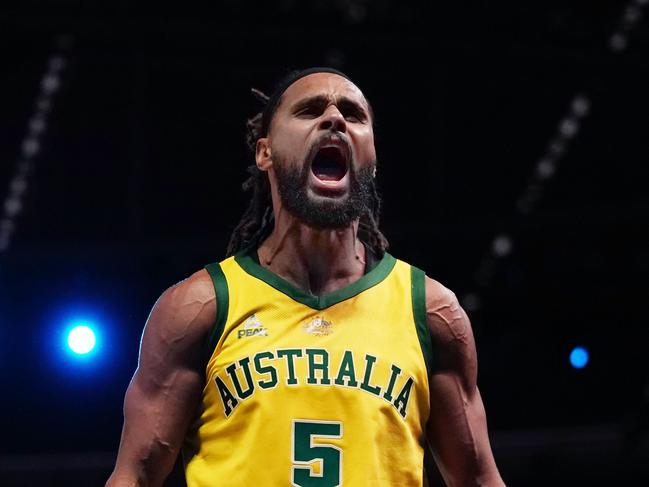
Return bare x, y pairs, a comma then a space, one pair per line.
352, 112
354, 116
310, 111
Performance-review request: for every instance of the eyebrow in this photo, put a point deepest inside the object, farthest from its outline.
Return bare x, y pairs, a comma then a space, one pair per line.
322, 100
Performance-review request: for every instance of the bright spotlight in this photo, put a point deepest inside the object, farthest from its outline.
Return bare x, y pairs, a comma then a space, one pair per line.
579, 357
81, 339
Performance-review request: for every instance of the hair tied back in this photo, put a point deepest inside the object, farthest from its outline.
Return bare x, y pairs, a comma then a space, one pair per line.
260, 95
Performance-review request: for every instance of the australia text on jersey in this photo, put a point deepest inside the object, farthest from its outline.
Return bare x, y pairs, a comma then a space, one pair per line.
318, 374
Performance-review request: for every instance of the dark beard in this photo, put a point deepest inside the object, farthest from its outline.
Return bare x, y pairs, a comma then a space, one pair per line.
323, 212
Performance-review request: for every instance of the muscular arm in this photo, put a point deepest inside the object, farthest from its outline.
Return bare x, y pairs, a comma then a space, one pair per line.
166, 388
457, 427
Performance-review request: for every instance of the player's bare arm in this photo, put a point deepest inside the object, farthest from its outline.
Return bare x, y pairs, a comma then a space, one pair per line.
166, 388
457, 427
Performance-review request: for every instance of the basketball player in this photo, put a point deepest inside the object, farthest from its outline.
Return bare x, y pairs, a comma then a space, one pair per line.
310, 356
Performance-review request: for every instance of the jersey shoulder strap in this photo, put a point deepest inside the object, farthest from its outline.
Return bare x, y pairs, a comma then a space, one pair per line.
222, 304
418, 283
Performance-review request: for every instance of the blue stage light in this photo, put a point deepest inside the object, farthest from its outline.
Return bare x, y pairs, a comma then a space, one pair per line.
579, 357
82, 339
80, 342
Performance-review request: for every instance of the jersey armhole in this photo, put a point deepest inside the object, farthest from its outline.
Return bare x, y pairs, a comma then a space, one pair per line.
222, 304
418, 282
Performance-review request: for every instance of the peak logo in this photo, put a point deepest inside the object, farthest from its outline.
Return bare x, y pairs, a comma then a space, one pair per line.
252, 327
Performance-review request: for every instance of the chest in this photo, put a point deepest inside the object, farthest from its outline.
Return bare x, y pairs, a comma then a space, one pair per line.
359, 349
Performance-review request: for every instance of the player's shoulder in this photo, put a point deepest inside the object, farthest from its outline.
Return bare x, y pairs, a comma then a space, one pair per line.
188, 305
446, 319
197, 286
437, 294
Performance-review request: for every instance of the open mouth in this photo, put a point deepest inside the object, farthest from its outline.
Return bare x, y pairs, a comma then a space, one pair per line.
329, 164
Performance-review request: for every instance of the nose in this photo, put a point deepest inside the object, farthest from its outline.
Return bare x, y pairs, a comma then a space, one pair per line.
333, 120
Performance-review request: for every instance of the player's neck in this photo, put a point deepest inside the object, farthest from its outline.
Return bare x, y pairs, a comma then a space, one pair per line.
315, 260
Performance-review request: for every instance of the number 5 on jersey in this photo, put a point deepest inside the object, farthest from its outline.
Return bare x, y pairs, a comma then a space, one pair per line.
306, 454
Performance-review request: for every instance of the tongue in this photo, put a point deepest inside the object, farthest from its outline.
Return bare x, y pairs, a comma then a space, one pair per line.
328, 169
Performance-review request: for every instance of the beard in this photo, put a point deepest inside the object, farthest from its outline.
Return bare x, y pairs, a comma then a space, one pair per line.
321, 211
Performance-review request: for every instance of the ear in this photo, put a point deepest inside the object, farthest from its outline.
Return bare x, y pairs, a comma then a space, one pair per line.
263, 154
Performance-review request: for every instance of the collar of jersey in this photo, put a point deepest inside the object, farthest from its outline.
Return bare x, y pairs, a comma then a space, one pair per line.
249, 264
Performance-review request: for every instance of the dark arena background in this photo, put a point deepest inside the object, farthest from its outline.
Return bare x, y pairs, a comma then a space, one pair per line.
513, 142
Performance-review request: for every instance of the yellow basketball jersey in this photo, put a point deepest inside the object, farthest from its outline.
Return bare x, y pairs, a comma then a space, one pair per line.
306, 390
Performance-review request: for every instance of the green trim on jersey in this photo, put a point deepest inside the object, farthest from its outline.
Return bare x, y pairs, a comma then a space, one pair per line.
371, 279
419, 311
222, 304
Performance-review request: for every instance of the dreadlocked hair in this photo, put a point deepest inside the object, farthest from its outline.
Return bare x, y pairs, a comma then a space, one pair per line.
257, 219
